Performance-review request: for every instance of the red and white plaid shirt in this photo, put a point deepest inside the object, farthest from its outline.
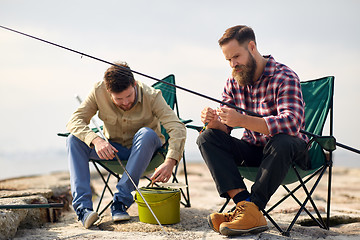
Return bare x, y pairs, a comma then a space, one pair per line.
277, 96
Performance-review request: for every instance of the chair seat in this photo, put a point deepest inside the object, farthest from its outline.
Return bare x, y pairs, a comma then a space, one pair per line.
250, 174
114, 166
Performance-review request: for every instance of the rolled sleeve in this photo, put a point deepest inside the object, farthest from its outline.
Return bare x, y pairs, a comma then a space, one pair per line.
90, 137
281, 124
174, 155
79, 121
173, 126
290, 108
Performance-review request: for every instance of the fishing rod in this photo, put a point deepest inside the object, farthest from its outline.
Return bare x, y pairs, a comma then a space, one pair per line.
122, 67
26, 206
170, 84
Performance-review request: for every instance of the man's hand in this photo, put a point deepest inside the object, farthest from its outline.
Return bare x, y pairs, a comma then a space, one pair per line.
104, 149
164, 171
230, 117
208, 115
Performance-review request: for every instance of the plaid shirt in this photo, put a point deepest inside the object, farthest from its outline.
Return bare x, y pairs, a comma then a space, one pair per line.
276, 96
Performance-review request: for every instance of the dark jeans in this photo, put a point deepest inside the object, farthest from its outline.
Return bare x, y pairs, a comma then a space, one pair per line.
224, 153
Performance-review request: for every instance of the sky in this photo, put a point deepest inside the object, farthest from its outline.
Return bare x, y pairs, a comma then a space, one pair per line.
159, 37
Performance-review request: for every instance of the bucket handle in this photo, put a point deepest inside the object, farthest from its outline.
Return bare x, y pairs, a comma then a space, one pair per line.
156, 203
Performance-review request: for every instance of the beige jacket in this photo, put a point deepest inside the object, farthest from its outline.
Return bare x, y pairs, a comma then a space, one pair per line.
120, 126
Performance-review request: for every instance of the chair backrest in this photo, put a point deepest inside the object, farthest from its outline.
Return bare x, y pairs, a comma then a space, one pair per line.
318, 97
169, 94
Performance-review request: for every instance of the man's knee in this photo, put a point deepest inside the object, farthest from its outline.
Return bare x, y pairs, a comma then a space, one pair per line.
284, 144
146, 135
209, 135
146, 132
280, 140
71, 140
202, 137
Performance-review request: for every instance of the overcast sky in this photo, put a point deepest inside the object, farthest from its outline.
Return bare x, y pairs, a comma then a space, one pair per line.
39, 81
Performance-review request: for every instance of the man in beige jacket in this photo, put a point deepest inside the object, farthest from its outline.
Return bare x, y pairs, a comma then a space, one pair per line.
132, 113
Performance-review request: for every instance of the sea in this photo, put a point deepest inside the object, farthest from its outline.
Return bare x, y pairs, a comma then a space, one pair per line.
20, 164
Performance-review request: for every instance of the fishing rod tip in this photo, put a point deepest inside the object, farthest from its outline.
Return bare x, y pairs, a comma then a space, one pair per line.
78, 98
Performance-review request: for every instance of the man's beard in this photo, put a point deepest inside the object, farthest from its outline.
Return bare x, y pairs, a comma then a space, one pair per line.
245, 77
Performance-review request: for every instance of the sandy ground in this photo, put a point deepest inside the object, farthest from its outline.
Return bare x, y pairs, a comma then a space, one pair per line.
204, 200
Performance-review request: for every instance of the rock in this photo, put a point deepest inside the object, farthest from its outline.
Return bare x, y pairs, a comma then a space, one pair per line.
11, 219
55, 182
47, 193
35, 217
31, 190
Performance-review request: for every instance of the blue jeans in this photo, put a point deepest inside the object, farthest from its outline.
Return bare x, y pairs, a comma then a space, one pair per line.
145, 143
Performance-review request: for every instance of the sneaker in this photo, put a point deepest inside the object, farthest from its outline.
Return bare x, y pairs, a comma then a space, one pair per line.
215, 219
247, 218
87, 216
118, 211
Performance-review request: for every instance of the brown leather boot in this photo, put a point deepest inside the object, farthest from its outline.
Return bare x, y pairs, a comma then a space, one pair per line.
246, 219
215, 219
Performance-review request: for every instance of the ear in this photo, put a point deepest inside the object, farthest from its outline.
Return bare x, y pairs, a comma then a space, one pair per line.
252, 47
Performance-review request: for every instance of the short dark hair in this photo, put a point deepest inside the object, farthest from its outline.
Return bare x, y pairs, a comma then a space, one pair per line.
241, 33
118, 77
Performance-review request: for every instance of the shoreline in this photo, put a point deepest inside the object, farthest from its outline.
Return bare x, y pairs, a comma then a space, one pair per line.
345, 209
29, 159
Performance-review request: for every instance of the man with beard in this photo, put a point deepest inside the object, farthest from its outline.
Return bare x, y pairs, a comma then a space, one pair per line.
272, 142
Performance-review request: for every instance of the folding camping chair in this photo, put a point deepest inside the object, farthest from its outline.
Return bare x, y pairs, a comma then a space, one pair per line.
318, 97
113, 167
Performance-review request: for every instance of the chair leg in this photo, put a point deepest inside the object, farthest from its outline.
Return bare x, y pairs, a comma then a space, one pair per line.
150, 182
186, 202
329, 197
322, 225
287, 233
320, 221
106, 207
102, 194
307, 199
187, 183
291, 193
225, 204
105, 187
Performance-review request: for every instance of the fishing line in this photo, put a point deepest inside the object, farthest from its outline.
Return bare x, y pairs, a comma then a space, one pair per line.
139, 73
170, 84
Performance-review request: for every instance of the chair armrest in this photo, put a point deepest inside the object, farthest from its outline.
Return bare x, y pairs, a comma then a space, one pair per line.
95, 130
326, 142
63, 134
186, 121
197, 128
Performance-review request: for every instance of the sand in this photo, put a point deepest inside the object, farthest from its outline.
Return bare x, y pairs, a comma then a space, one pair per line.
204, 200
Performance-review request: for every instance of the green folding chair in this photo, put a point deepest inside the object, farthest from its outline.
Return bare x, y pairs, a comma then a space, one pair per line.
113, 168
318, 97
